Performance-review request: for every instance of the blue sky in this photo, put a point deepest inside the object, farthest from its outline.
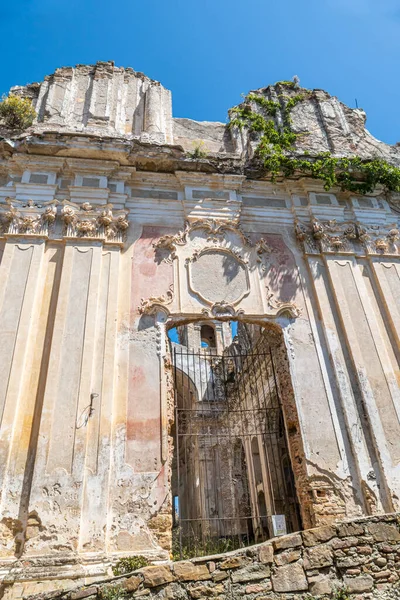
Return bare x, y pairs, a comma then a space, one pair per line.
208, 52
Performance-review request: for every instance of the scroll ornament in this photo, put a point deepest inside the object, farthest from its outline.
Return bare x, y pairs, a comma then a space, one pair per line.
150, 305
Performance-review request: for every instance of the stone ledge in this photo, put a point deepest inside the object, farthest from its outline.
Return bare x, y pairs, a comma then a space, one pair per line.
361, 555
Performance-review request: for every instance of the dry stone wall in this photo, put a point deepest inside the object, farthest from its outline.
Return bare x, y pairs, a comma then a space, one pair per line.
357, 559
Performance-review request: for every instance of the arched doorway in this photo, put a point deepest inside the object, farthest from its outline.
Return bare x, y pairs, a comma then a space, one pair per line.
230, 475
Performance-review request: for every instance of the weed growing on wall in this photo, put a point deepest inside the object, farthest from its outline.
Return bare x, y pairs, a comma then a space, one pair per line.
115, 592
129, 564
16, 113
199, 150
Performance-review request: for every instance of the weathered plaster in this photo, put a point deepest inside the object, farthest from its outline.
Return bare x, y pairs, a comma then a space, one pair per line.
130, 236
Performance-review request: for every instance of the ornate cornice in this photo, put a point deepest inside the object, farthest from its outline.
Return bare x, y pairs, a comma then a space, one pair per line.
379, 240
27, 218
348, 237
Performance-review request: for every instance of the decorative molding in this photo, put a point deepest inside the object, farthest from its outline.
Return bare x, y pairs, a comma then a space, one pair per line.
282, 307
149, 305
27, 218
199, 252
221, 310
319, 237
216, 233
84, 221
245, 259
378, 239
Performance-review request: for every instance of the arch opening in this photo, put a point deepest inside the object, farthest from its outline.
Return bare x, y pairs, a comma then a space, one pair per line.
232, 477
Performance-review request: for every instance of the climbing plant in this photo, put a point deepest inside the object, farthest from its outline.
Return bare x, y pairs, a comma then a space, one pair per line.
276, 147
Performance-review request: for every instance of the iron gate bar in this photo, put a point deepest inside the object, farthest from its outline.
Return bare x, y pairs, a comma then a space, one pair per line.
230, 443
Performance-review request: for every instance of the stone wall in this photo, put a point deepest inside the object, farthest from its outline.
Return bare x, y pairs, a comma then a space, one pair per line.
360, 557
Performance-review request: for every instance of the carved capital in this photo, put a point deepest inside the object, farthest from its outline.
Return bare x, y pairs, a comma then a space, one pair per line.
27, 218
378, 239
101, 223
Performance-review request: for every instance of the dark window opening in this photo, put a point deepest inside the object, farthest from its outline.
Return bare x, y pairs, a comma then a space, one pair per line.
207, 336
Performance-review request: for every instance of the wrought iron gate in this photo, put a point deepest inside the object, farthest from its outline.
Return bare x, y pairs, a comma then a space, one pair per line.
232, 478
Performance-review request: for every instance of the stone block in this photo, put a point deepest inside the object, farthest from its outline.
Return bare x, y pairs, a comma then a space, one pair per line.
287, 541
258, 588
290, 578
234, 562
386, 548
132, 583
357, 585
320, 585
312, 537
84, 593
348, 529
206, 591
382, 532
350, 561
219, 576
172, 591
158, 575
253, 572
187, 571
284, 558
347, 542
266, 554
382, 574
318, 556
367, 550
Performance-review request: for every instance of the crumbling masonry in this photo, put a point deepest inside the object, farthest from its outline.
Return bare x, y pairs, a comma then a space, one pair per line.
119, 223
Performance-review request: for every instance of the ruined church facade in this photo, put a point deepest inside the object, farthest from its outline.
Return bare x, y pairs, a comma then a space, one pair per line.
115, 230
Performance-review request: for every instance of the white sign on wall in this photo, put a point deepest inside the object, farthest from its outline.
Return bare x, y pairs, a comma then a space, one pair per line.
279, 524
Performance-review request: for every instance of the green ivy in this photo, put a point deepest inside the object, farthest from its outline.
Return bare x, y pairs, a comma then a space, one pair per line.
276, 147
